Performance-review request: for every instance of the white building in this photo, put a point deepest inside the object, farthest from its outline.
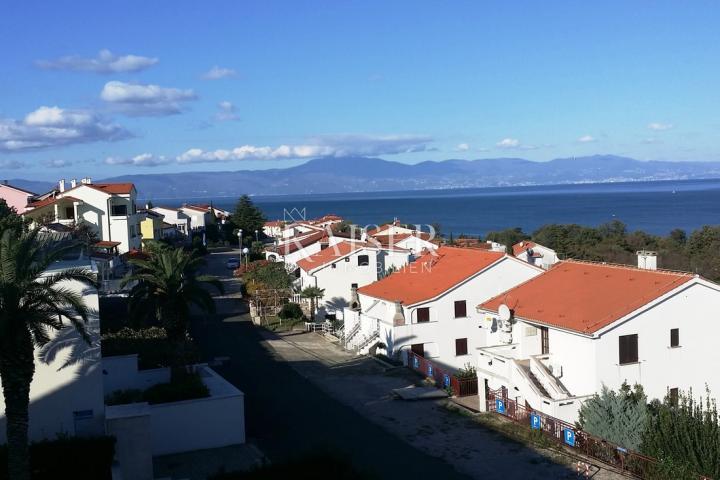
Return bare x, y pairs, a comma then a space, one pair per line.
200, 216
560, 337
414, 243
535, 254
428, 306
66, 394
109, 207
302, 246
174, 216
273, 228
338, 269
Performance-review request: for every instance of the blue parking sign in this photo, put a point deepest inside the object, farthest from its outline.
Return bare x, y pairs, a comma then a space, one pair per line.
416, 362
499, 406
569, 437
446, 380
430, 370
535, 421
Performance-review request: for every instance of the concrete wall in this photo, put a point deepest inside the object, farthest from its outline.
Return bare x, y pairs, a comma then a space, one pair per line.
121, 373
14, 198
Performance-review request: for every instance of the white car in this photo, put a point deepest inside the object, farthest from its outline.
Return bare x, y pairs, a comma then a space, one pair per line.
232, 264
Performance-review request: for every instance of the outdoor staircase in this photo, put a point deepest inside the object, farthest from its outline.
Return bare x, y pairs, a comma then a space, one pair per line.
525, 366
366, 340
348, 336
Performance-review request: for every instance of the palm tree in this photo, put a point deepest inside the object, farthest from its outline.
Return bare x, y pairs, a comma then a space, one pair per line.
167, 286
32, 306
313, 293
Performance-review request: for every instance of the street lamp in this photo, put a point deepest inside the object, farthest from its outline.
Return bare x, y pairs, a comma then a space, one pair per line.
256, 236
245, 251
240, 240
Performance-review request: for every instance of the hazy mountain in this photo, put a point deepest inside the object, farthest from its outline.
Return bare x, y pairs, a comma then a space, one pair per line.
336, 175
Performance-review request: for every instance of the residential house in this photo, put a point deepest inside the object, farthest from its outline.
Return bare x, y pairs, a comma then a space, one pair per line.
151, 227
326, 221
339, 269
427, 306
108, 207
301, 246
535, 254
174, 216
16, 197
558, 338
415, 242
273, 228
66, 394
200, 216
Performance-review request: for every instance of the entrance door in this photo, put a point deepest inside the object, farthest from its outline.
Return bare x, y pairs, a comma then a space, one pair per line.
418, 349
544, 340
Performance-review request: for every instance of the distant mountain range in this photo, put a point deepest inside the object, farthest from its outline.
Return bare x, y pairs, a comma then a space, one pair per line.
338, 175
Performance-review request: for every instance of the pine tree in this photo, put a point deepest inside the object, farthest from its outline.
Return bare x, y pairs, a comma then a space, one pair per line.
248, 218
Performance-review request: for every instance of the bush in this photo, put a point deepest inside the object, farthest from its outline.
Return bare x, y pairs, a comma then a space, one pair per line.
468, 371
150, 344
184, 386
290, 311
79, 458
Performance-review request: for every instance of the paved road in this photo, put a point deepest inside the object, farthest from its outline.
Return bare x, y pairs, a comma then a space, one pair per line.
288, 416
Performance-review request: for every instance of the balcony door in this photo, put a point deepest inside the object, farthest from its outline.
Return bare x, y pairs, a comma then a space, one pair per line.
544, 340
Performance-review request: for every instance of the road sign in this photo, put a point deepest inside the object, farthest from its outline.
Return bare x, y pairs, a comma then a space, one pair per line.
416, 363
569, 437
535, 421
446, 380
430, 370
500, 406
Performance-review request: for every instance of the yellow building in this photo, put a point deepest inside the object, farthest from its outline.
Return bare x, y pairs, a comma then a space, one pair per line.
151, 227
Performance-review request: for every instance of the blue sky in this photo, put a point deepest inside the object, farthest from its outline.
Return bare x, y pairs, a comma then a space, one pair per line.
160, 86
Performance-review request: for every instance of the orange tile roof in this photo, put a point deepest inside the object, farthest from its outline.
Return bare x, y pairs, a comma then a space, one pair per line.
520, 247
431, 275
329, 255
196, 208
293, 245
105, 244
109, 188
586, 296
51, 200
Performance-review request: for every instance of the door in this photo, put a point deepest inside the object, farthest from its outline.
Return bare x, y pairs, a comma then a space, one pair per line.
418, 349
544, 340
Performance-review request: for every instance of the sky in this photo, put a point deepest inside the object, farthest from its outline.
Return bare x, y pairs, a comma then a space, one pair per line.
103, 89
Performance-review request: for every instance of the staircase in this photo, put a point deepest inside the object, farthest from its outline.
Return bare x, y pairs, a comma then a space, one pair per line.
348, 336
366, 341
525, 366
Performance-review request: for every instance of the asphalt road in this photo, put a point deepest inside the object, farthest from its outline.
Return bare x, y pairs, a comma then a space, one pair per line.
287, 416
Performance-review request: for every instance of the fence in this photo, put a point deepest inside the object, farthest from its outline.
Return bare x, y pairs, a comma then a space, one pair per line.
461, 387
627, 461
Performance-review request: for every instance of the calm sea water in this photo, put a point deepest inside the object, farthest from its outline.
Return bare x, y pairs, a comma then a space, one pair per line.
655, 207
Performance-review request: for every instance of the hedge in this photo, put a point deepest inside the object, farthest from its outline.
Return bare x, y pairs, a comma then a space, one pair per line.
185, 386
152, 346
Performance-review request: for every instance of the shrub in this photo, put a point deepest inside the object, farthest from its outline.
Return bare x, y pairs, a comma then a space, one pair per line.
150, 344
467, 371
290, 311
183, 386
619, 417
79, 458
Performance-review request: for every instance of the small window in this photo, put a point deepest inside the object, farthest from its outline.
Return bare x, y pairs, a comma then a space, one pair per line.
118, 210
628, 349
323, 246
69, 212
461, 346
334, 265
674, 395
363, 260
353, 285
674, 337
423, 315
460, 308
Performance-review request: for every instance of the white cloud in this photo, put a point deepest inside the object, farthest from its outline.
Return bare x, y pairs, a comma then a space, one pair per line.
11, 164
347, 145
586, 139
227, 112
145, 99
58, 163
216, 73
508, 143
660, 126
142, 160
462, 147
105, 62
54, 126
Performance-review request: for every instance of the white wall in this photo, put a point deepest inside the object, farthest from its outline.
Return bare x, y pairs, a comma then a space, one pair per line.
440, 333
57, 391
393, 258
121, 373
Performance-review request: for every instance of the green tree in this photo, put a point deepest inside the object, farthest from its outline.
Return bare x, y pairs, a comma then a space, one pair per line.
33, 305
168, 284
9, 218
684, 434
619, 418
508, 237
312, 293
248, 218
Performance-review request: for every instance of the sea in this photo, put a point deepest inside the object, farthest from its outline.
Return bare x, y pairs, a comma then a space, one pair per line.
654, 207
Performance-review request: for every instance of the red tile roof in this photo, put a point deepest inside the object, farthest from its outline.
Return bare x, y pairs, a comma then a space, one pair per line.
274, 223
105, 244
51, 200
520, 247
431, 275
585, 296
197, 208
329, 255
295, 245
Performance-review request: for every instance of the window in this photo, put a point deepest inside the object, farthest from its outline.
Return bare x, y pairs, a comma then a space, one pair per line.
544, 340
418, 349
628, 346
423, 315
69, 212
84, 421
461, 346
363, 260
333, 265
460, 309
323, 246
674, 337
118, 210
353, 285
674, 396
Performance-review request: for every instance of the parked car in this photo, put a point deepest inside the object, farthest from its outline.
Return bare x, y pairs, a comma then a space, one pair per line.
233, 264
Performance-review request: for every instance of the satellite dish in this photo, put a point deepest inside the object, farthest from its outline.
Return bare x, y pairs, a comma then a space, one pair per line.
504, 312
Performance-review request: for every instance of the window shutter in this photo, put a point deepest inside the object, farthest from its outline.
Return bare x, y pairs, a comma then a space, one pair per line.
460, 308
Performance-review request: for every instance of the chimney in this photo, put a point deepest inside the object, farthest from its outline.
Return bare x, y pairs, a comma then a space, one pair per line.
73, 183
398, 318
647, 260
354, 299
61, 185
86, 181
